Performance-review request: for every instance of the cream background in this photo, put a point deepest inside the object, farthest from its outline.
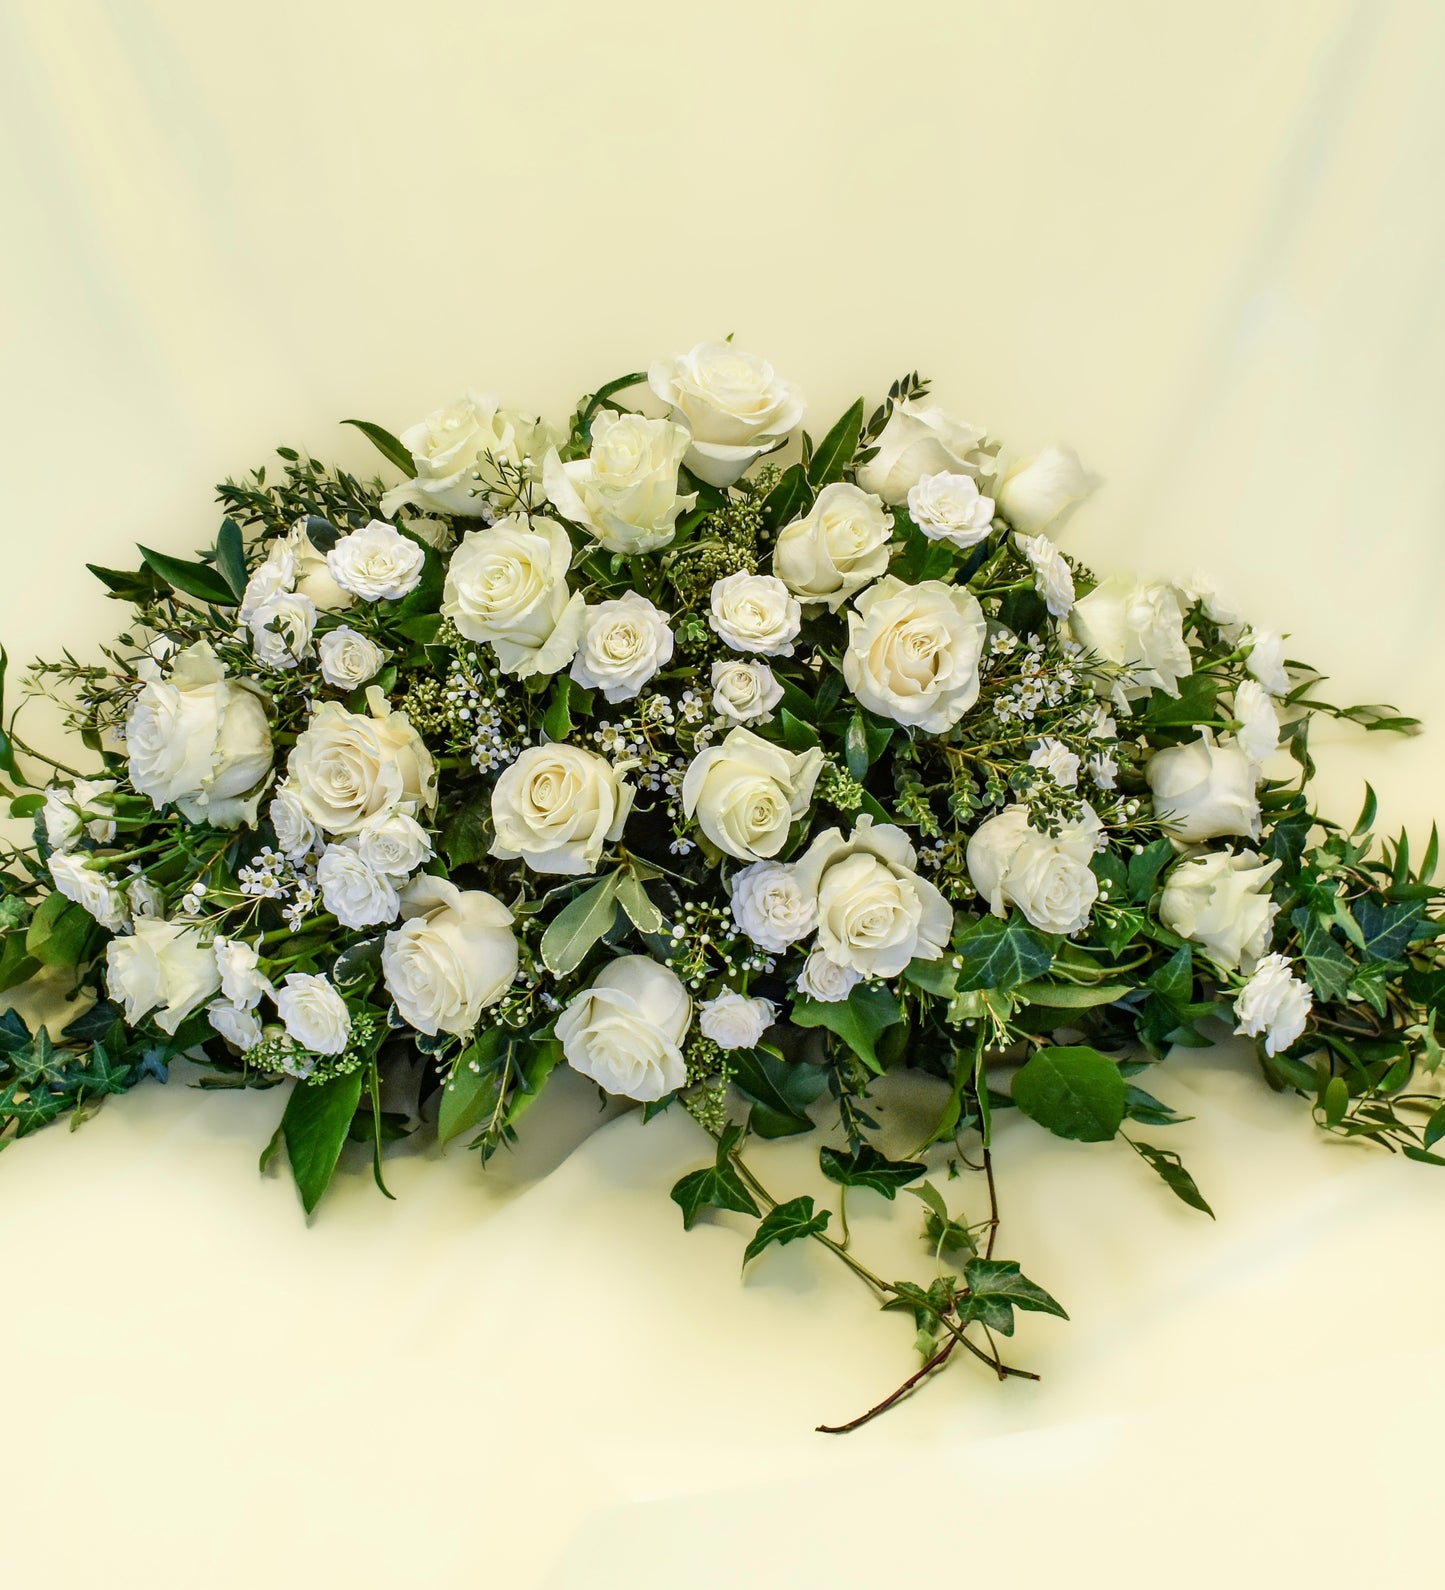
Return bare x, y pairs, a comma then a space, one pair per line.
1201, 244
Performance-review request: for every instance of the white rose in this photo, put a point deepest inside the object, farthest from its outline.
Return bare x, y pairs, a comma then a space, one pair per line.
733, 1021
746, 793
315, 1015
239, 967
296, 834
281, 629
347, 768
556, 808
920, 440
311, 575
90, 890
453, 956
200, 741
1204, 791
746, 692
1138, 627
1221, 902
352, 892
507, 585
83, 808
626, 1031
770, 906
349, 658
913, 652
1057, 760
823, 979
950, 507
1201, 588
1258, 734
733, 405
162, 967
376, 563
395, 844
1035, 494
238, 1026
1053, 578
625, 491
276, 576
462, 454
143, 898
1046, 876
624, 642
875, 914
1266, 660
756, 613
836, 548
1274, 1003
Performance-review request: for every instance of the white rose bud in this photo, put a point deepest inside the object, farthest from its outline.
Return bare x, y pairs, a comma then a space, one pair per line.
755, 613
1138, 627
349, 658
463, 454
1035, 494
836, 548
734, 1021
312, 577
733, 405
626, 1030
1057, 761
347, 768
824, 980
1221, 902
1053, 578
1204, 791
1274, 1004
143, 898
376, 563
950, 507
83, 808
281, 629
276, 576
395, 844
352, 892
920, 440
770, 906
162, 967
453, 956
296, 834
557, 807
1266, 660
90, 890
314, 1014
625, 491
1046, 876
1258, 735
913, 652
624, 642
239, 967
241, 1028
507, 585
747, 793
875, 914
745, 692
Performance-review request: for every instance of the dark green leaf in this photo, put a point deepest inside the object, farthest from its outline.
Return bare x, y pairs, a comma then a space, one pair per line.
787, 1223
1001, 953
1328, 969
191, 579
1073, 1091
317, 1118
835, 451
387, 445
790, 499
1145, 867
857, 1020
472, 1091
58, 931
866, 1167
637, 903
1174, 980
231, 557
781, 1090
1387, 929
579, 925
719, 1186
1172, 1173
467, 836
996, 1287
141, 585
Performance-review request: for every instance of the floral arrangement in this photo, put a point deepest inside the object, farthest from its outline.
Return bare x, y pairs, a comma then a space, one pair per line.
733, 769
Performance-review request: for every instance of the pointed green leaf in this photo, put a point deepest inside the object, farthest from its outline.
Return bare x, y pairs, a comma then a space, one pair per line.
835, 452
231, 557
191, 579
1170, 1169
637, 903
996, 1287
1073, 1091
387, 445
317, 1118
717, 1186
1000, 953
866, 1167
579, 925
857, 1020
471, 1092
787, 1223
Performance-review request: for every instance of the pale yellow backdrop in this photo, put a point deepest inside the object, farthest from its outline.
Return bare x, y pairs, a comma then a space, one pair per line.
1204, 245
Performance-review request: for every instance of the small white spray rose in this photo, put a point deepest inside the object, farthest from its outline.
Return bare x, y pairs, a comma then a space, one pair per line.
463, 454
755, 613
347, 767
1139, 627
311, 576
920, 439
296, 834
1047, 876
241, 1028
349, 658
626, 1031
1053, 578
453, 956
1204, 791
824, 980
1199, 587
239, 967
376, 563
734, 406
745, 692
733, 1021
625, 490
83, 807
1060, 763
950, 507
143, 898
394, 844
747, 793
91, 890
1266, 660
507, 585
1258, 733
557, 807
162, 967
625, 641
354, 893
771, 907
840, 545
1035, 494
913, 652
314, 1014
1274, 1004
281, 629
1221, 902
274, 577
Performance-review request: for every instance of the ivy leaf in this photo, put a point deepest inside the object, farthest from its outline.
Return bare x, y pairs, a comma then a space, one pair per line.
191, 579
387, 445
32, 1112
471, 1092
1174, 980
1073, 1091
1327, 968
718, 1186
318, 1116
1387, 929
999, 953
996, 1287
835, 451
579, 925
467, 836
866, 1167
857, 1020
781, 1090
787, 1223
1171, 1171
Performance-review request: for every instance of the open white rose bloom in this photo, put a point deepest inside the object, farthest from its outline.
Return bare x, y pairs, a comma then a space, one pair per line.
732, 766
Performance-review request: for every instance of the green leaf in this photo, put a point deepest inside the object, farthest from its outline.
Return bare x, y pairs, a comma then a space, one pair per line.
1174, 980
996, 1287
191, 579
1328, 969
467, 836
781, 1090
637, 903
1144, 869
857, 1020
835, 451
387, 445
1335, 1100
141, 585
790, 499
1074, 1092
1387, 929
7, 750
317, 1118
1435, 1127
1001, 952
58, 931
557, 720
471, 1092
231, 557
1194, 705
787, 1223
1072, 996
579, 925
1366, 819
1142, 1106
719, 1186
866, 1167
1170, 1169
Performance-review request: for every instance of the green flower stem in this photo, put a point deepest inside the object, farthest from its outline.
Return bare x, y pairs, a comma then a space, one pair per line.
322, 919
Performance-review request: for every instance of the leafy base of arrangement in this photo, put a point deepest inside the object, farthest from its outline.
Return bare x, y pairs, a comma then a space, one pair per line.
731, 768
